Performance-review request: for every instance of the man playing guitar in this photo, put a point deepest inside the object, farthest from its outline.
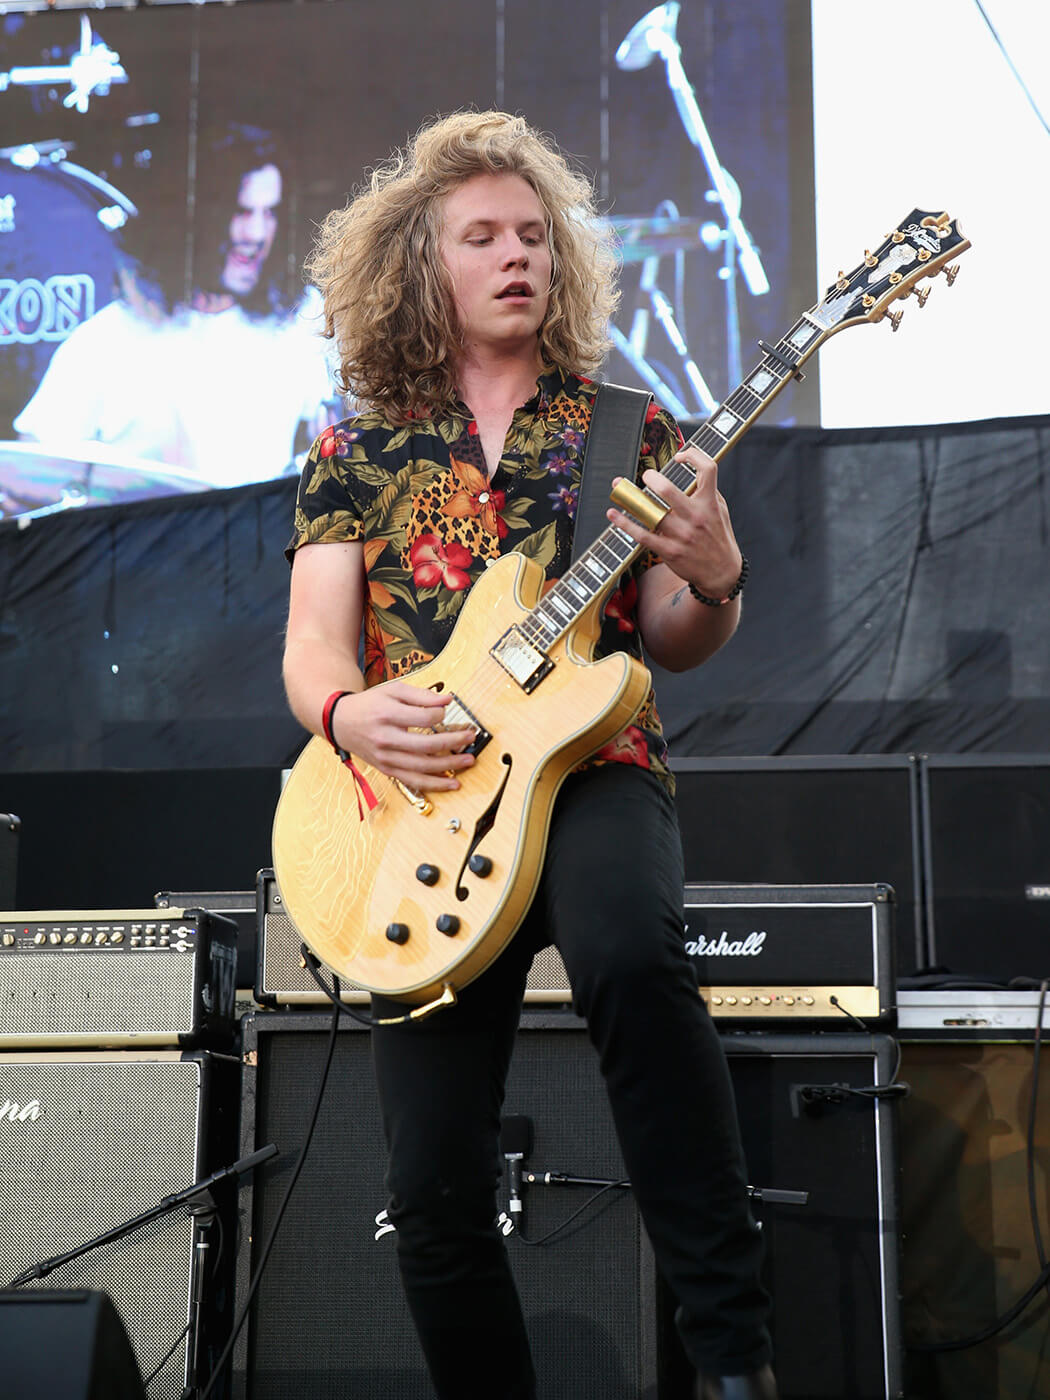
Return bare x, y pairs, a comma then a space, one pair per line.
468, 289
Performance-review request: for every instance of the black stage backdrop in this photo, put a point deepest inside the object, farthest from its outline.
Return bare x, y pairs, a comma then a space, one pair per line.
897, 604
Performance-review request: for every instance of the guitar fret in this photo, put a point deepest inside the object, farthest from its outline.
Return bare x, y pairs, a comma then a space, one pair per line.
744, 401
578, 587
680, 474
760, 381
801, 334
725, 423
708, 440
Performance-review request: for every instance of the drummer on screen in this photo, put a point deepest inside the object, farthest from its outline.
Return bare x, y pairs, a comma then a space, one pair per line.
220, 379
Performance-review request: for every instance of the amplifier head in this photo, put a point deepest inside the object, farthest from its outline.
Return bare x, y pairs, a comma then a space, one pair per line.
793, 952
116, 977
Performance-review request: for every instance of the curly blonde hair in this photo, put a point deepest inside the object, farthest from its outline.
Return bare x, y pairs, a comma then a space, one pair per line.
388, 296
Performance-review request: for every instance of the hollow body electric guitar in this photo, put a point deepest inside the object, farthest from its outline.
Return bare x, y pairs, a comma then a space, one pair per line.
416, 896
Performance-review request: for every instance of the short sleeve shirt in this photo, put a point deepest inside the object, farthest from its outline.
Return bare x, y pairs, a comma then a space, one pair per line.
430, 519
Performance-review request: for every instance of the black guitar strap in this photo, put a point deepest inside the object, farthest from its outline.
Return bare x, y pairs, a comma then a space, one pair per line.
614, 441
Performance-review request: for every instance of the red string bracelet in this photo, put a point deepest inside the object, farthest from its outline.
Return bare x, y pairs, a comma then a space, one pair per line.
361, 784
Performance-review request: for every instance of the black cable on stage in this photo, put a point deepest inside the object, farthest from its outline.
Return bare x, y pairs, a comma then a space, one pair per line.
313, 963
165, 1358
893, 1088
556, 1230
272, 1236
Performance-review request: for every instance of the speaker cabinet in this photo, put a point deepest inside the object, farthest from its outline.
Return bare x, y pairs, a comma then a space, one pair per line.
329, 1319
808, 821
67, 1345
972, 1249
987, 836
87, 1142
832, 1266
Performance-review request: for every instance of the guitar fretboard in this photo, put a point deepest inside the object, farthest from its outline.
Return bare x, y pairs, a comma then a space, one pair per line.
597, 570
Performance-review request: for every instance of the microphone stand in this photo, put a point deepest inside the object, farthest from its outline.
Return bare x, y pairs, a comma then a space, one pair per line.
655, 34
772, 1195
202, 1214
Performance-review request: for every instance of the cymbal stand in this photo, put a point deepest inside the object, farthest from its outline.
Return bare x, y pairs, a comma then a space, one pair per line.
654, 34
661, 309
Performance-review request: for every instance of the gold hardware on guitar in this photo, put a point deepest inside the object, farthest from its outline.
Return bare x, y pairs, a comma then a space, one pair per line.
422, 804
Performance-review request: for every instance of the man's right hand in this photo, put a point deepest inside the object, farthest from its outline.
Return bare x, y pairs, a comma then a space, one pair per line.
394, 727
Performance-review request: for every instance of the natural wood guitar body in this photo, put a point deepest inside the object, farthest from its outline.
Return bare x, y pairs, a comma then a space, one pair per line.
346, 880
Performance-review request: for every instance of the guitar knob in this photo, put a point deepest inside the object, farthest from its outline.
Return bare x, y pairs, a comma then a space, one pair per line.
428, 874
480, 865
397, 933
448, 923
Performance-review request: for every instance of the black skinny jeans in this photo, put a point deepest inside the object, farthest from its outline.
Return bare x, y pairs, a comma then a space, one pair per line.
611, 901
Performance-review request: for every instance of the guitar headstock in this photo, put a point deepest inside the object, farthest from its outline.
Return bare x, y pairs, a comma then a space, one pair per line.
921, 246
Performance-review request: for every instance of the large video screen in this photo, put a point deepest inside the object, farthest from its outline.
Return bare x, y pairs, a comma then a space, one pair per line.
945, 106
162, 172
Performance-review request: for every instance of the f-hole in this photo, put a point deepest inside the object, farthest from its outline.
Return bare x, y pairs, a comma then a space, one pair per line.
484, 825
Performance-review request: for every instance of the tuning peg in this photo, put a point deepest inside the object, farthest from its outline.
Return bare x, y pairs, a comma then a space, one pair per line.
922, 295
951, 273
895, 318
869, 259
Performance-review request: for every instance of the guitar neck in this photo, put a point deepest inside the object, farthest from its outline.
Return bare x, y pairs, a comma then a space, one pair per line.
597, 570
920, 247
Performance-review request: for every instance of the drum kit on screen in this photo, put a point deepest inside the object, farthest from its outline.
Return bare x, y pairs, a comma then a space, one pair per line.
46, 200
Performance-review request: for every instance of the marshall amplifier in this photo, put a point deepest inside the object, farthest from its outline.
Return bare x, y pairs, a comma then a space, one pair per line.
762, 953
768, 953
793, 952
126, 977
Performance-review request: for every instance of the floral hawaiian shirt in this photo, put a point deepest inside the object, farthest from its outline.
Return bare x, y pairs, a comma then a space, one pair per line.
431, 520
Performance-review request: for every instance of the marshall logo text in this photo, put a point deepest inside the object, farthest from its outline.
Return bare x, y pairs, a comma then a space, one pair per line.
724, 947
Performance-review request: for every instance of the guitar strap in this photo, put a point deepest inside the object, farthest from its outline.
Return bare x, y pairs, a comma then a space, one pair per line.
614, 441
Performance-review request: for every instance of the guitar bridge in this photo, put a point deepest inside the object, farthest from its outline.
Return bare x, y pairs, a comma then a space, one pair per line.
457, 716
522, 661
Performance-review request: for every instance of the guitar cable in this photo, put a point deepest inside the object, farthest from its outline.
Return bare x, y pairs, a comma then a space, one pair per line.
264, 1253
417, 1013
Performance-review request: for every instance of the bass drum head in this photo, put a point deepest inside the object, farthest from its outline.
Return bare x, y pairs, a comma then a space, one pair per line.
58, 247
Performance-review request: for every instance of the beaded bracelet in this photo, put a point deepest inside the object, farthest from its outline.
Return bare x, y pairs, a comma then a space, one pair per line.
734, 592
